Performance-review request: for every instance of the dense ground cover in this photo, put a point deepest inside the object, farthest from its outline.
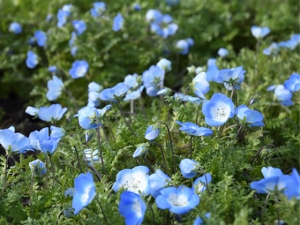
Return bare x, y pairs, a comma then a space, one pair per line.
152, 112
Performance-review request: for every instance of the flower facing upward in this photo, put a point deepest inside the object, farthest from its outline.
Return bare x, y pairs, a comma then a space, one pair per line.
79, 69
79, 26
178, 200
251, 117
99, 9
193, 129
84, 191
37, 167
15, 27
218, 110
132, 208
55, 88
188, 168
118, 22
232, 78
134, 180
260, 32
32, 60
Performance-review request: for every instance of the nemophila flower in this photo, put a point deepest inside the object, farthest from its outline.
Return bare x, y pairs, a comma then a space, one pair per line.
223, 52
41, 38
79, 26
153, 80
152, 132
273, 180
137, 7
260, 32
164, 64
178, 200
32, 111
90, 117
193, 129
73, 39
118, 22
94, 94
272, 87
32, 60
199, 221
158, 181
218, 110
114, 93
231, 78
190, 42
132, 80
134, 180
37, 167
12, 128
31, 41
55, 88
289, 44
15, 28
188, 168
91, 156
85, 191
79, 69
57, 132
201, 183
99, 9
49, 145
165, 27
212, 70
52, 69
272, 49
49, 17
183, 47
164, 91
14, 142
283, 96
154, 15
187, 98
250, 117
132, 95
200, 85
141, 150
132, 208
36, 137
293, 83
51, 113
62, 17
292, 185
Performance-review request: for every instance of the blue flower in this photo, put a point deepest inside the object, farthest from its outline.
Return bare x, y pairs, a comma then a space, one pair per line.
40, 37
292, 185
259, 32
37, 137
289, 44
32, 111
132, 208
153, 80
223, 52
112, 94
49, 145
53, 112
79, 26
32, 60
137, 7
57, 132
251, 117
94, 94
154, 15
85, 191
193, 129
158, 181
99, 9
141, 150
274, 181
178, 200
52, 69
62, 17
272, 49
132, 95
37, 167
164, 27
201, 183
232, 78
118, 22
188, 168
212, 70
199, 221
152, 132
14, 142
134, 180
164, 64
293, 83
218, 110
200, 85
15, 27
132, 80
283, 95
90, 117
55, 88
183, 47
79, 69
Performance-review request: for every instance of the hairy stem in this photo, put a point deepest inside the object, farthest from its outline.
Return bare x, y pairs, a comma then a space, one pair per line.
100, 149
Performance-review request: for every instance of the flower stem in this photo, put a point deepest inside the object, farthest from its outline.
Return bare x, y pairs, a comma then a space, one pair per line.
5, 174
31, 184
102, 210
72, 98
100, 149
77, 156
52, 166
121, 110
171, 147
163, 155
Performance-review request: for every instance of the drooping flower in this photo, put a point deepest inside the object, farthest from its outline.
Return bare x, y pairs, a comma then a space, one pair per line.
37, 167
231, 78
182, 46
152, 132
84, 191
134, 180
218, 110
41, 38
79, 69
132, 208
157, 181
141, 150
79, 26
55, 88
223, 52
201, 183
32, 60
200, 85
94, 94
153, 80
283, 96
53, 112
14, 142
15, 28
99, 9
178, 200
260, 32
251, 117
118, 22
57, 132
188, 168
193, 129
90, 117
293, 83
114, 93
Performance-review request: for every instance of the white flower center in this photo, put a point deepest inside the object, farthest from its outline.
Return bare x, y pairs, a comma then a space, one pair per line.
85, 196
81, 70
220, 112
180, 200
135, 182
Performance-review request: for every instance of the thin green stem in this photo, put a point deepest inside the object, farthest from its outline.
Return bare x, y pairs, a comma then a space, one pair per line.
171, 147
53, 169
163, 155
31, 184
102, 210
100, 149
142, 107
5, 174
77, 156
121, 110
72, 98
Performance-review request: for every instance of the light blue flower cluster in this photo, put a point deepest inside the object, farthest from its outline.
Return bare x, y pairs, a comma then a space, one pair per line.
290, 44
99, 9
